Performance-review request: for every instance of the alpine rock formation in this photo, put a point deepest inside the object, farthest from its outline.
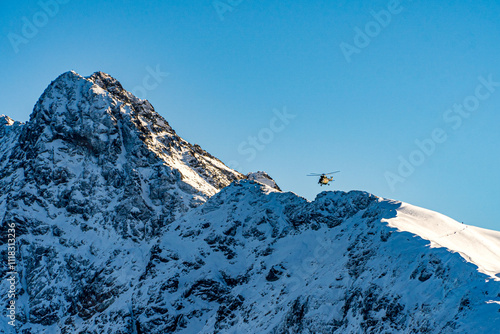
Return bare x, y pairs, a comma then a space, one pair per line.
124, 227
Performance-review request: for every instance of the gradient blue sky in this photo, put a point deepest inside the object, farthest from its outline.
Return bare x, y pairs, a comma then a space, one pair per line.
228, 76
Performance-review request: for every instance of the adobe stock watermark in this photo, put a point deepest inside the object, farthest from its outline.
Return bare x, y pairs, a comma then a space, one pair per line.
363, 37
454, 118
12, 276
226, 6
265, 136
31, 26
150, 82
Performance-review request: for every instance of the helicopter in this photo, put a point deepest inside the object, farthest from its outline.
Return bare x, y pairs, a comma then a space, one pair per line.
323, 178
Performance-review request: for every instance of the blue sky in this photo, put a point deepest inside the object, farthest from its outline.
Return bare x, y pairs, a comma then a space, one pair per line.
360, 81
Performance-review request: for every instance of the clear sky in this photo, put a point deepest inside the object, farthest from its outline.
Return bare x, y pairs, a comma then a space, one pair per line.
402, 97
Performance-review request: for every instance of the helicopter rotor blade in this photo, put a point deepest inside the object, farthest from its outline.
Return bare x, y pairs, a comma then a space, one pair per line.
318, 174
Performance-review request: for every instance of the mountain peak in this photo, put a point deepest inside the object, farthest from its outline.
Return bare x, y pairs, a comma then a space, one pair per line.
6, 120
111, 85
90, 130
104, 80
6, 124
101, 75
68, 75
263, 178
89, 106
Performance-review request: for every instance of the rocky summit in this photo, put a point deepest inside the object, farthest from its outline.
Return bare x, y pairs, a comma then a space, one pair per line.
121, 226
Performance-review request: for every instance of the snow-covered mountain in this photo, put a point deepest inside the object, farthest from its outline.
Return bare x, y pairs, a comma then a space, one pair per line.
124, 227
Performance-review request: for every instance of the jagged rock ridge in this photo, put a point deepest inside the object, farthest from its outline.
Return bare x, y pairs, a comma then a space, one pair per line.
124, 227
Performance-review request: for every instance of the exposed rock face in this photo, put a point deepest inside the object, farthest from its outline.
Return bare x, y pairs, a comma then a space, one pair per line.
95, 171
99, 153
124, 227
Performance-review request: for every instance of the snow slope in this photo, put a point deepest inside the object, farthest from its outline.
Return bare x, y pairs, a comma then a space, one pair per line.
476, 245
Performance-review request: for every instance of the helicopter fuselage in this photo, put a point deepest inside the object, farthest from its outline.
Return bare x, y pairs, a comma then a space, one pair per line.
324, 180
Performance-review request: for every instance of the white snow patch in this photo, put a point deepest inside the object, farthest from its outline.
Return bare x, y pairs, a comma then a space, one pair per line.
262, 178
493, 302
476, 245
